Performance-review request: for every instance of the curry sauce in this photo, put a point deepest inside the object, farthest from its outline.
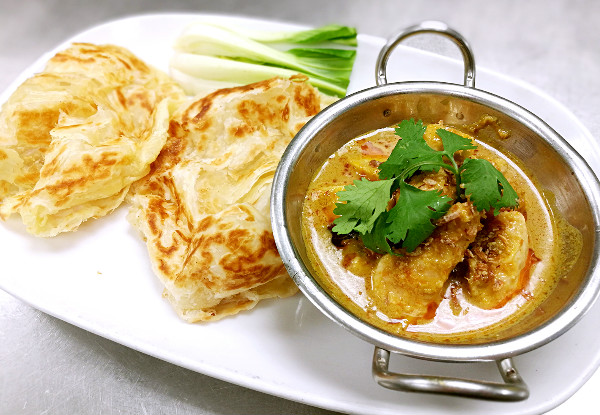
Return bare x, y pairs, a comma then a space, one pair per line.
442, 292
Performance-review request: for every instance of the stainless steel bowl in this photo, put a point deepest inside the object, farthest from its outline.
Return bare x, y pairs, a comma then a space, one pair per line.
558, 167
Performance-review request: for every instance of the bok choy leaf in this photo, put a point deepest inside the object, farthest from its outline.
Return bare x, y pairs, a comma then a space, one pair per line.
209, 54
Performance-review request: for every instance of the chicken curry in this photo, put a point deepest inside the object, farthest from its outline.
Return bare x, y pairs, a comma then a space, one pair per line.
476, 271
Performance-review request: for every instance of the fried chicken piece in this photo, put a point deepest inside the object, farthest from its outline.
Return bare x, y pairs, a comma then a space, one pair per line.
436, 180
496, 259
411, 286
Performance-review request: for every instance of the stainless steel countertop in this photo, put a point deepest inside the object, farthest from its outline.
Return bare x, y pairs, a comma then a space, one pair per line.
51, 367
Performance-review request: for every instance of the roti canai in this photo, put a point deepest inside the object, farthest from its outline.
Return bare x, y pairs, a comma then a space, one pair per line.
204, 208
75, 136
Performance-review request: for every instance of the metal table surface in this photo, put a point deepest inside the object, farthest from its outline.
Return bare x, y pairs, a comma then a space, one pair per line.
51, 367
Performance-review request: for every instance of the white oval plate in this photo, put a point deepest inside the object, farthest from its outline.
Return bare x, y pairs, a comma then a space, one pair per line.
99, 278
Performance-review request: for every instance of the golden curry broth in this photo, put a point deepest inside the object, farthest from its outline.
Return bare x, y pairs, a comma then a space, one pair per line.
455, 320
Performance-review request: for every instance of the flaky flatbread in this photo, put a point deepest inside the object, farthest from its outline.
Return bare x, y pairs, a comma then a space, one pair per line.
74, 137
204, 208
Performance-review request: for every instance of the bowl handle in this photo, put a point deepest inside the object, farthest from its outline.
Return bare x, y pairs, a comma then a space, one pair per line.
514, 389
427, 27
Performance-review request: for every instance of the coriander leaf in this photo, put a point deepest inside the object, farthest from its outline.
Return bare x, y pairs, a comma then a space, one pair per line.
486, 186
410, 129
363, 206
376, 239
453, 142
510, 198
409, 152
410, 219
365, 201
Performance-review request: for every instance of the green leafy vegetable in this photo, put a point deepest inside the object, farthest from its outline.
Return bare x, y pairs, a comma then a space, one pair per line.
376, 239
336, 34
410, 154
363, 206
365, 201
236, 56
197, 73
487, 187
410, 219
330, 33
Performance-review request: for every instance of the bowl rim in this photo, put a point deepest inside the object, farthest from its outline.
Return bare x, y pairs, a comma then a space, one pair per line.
550, 330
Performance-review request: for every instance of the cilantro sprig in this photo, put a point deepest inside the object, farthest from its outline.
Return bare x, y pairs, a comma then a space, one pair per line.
363, 205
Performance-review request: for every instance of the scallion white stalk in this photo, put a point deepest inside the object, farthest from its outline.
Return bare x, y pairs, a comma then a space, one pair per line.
215, 52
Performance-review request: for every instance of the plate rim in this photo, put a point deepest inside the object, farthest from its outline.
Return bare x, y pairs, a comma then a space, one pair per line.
240, 379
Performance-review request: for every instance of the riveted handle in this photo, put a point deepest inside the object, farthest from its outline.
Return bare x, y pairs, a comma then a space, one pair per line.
513, 388
427, 27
